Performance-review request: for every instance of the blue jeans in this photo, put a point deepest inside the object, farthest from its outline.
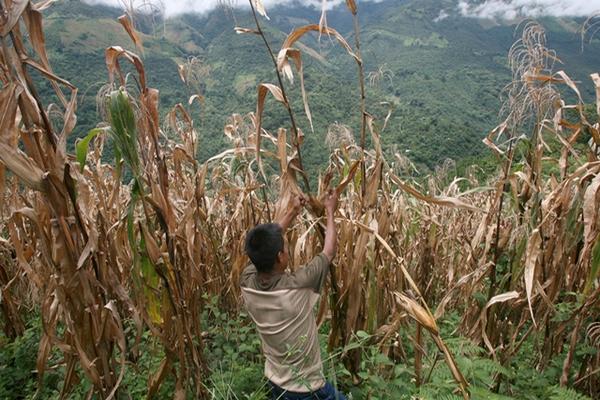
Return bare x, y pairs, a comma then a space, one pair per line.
327, 392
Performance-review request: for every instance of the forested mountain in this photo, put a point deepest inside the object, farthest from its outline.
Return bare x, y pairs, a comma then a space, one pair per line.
442, 73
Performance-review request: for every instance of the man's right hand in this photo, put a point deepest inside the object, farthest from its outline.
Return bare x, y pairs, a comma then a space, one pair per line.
331, 201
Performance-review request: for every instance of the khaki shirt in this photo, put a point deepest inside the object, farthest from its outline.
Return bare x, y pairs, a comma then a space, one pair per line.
282, 309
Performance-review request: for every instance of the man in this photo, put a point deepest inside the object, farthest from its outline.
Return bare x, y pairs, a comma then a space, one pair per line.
281, 305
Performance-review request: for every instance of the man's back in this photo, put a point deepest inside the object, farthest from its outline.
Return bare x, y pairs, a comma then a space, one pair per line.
281, 304
282, 308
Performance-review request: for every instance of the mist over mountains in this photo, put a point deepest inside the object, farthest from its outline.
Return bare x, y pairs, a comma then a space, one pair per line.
507, 9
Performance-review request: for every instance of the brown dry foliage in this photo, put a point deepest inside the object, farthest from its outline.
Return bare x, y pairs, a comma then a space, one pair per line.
91, 251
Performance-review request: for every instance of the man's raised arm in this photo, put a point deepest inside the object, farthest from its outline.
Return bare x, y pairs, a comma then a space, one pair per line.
286, 219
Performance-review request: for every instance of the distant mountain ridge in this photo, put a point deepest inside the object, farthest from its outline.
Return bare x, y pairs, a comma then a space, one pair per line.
443, 76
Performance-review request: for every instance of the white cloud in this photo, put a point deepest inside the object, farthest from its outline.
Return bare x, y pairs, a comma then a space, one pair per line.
511, 9
506, 9
174, 7
442, 16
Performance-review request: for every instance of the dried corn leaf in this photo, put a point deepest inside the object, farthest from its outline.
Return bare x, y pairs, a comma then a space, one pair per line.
299, 32
128, 25
441, 200
370, 120
158, 377
458, 376
33, 20
352, 6
43, 5
88, 365
361, 258
9, 101
263, 90
22, 166
494, 135
2, 191
90, 248
112, 55
591, 223
534, 250
348, 178
284, 66
11, 16
260, 8
43, 354
118, 335
374, 181
50, 75
545, 79
596, 80
61, 148
405, 272
569, 82
150, 101
282, 150
500, 298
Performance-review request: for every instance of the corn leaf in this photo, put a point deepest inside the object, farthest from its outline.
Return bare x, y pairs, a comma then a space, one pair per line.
82, 146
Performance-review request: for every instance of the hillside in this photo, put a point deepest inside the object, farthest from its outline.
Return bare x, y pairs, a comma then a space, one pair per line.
443, 77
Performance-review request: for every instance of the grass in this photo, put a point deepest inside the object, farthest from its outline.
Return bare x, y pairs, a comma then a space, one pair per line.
236, 365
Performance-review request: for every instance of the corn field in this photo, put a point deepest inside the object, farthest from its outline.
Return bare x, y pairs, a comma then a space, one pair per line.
143, 240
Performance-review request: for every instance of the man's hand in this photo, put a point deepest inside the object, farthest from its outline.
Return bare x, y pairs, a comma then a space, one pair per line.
331, 202
297, 204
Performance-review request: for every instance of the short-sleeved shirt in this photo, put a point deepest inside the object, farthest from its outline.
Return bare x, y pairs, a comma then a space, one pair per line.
282, 309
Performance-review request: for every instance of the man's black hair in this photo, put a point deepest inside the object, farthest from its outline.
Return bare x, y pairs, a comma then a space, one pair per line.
263, 243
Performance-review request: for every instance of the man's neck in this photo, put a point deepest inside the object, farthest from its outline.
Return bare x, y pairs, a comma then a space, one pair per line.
277, 270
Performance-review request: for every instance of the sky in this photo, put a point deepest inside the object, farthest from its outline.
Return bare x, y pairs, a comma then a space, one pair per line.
511, 9
175, 7
508, 9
